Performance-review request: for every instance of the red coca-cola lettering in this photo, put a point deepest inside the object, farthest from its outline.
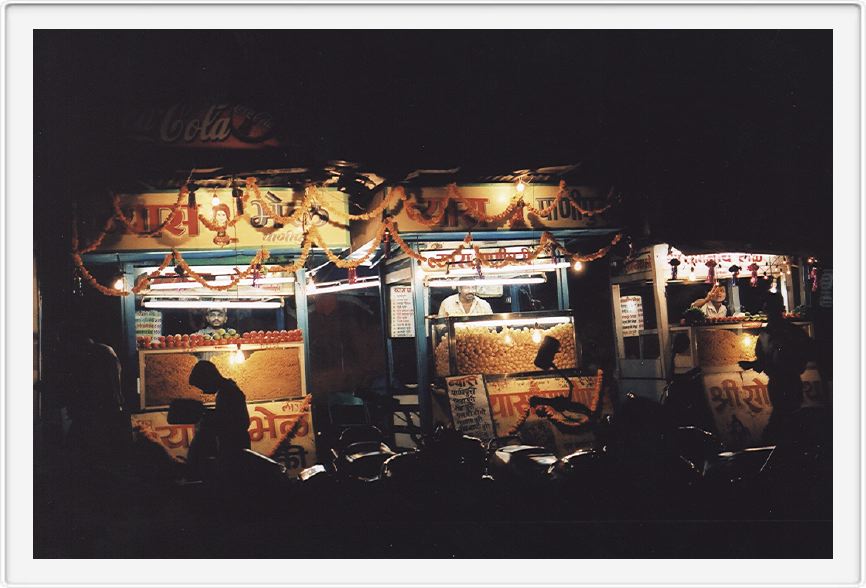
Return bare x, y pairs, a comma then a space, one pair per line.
177, 124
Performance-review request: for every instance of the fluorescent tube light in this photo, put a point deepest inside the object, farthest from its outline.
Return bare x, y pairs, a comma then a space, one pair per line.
212, 303
220, 281
441, 283
339, 287
515, 322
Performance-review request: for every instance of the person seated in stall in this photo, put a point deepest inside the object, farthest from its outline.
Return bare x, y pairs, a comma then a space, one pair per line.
712, 304
216, 318
466, 302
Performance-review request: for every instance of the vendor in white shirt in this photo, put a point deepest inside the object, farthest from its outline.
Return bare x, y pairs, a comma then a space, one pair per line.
464, 303
712, 306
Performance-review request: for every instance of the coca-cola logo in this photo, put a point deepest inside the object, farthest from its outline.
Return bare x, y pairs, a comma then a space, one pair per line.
212, 125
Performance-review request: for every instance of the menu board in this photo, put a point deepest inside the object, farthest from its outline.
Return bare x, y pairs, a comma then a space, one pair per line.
402, 312
826, 285
470, 407
631, 309
148, 323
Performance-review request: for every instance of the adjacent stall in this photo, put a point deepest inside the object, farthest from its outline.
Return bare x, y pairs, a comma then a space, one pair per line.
217, 271
474, 276
662, 333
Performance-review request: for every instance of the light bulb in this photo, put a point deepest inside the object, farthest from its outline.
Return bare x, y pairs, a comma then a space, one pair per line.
692, 276
578, 266
748, 343
508, 339
521, 186
215, 200
536, 336
774, 288
118, 283
239, 356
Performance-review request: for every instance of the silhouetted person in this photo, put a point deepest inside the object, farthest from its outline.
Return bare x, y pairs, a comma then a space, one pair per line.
781, 352
229, 421
94, 400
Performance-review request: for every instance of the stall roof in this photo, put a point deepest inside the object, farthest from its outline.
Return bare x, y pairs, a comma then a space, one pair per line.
547, 174
706, 247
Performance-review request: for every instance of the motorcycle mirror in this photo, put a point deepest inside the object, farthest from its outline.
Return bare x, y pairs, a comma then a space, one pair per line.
546, 351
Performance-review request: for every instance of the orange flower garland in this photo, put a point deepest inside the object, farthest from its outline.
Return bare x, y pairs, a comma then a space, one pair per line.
118, 213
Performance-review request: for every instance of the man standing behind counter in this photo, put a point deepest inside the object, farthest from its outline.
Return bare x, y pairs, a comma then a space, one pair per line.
215, 318
466, 302
712, 306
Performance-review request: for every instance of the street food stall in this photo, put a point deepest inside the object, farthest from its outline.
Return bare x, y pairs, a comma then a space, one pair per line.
502, 247
662, 330
240, 254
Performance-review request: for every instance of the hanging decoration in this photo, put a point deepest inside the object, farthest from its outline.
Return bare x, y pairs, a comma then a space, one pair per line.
711, 271
753, 267
674, 263
735, 273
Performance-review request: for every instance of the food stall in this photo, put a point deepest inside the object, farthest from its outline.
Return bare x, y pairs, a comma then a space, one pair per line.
659, 336
514, 238
217, 244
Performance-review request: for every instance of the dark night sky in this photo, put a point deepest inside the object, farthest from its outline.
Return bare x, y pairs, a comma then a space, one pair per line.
720, 134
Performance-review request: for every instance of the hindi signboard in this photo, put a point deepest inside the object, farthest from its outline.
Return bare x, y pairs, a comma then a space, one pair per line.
509, 403
187, 230
434, 202
631, 309
280, 430
402, 312
741, 407
470, 407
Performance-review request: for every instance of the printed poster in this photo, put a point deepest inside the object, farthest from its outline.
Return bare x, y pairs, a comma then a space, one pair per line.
402, 312
631, 310
470, 407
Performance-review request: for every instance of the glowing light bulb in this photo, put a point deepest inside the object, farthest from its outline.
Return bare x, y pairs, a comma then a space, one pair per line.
119, 283
748, 342
215, 200
692, 276
508, 339
239, 356
536, 336
578, 266
521, 186
775, 287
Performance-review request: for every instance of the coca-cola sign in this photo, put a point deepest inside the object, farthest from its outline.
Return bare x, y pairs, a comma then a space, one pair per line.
214, 125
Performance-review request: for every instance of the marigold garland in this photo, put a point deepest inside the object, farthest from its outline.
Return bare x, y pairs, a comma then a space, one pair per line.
118, 213
311, 237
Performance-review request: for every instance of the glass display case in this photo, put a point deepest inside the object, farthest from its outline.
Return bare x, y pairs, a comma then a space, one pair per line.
504, 343
717, 346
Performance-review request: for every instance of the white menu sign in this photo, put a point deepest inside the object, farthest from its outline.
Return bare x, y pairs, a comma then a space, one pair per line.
148, 323
631, 309
470, 406
402, 312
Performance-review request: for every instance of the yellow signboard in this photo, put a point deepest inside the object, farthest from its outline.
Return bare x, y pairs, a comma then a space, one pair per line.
281, 430
510, 401
426, 204
188, 231
741, 407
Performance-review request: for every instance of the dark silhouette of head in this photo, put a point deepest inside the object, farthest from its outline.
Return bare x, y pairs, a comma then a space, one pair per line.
206, 377
774, 307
